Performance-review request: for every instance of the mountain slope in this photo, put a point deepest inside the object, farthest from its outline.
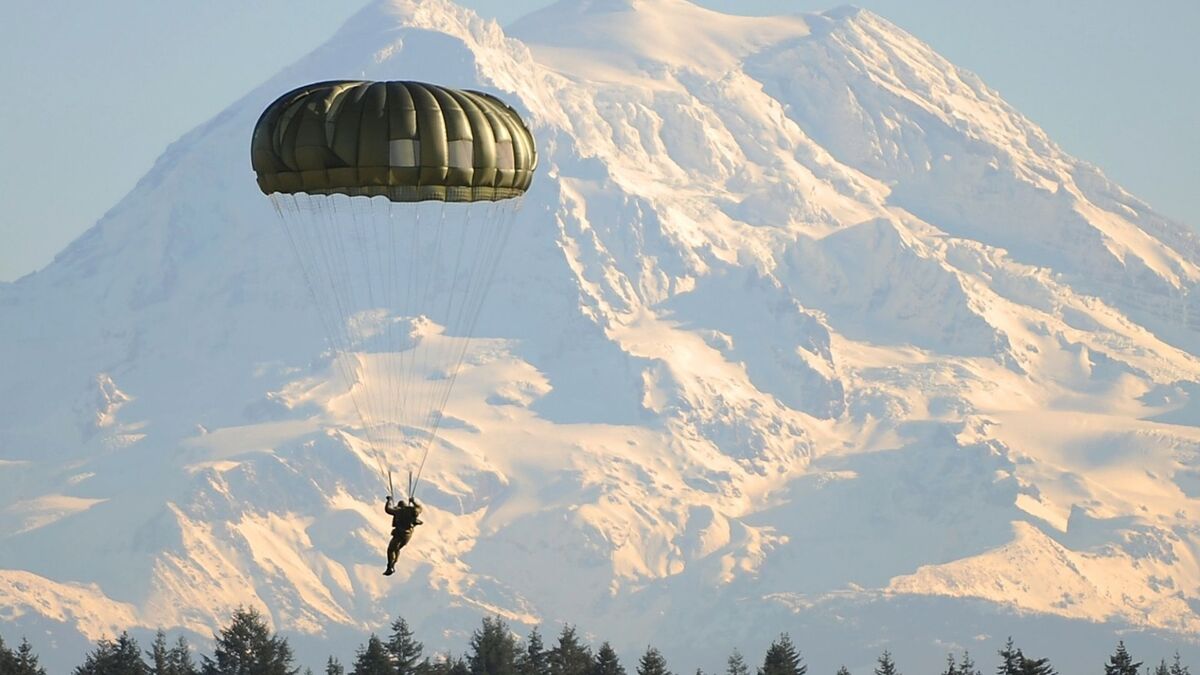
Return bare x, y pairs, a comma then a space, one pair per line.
801, 328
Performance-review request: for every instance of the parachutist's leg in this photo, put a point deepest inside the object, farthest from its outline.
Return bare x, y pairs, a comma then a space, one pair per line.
393, 552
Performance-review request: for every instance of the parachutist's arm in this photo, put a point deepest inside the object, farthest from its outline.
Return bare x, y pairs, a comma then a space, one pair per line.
389, 509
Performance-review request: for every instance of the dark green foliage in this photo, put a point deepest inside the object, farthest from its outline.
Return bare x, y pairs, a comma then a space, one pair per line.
373, 658
736, 665
174, 660
1121, 663
886, 666
1010, 659
248, 647
534, 660
1177, 667
7, 658
782, 658
652, 663
607, 662
180, 658
967, 665
158, 653
404, 648
570, 656
1036, 666
451, 665
1014, 662
23, 661
493, 649
120, 657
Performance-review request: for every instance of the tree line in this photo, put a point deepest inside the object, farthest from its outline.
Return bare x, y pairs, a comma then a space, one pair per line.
248, 646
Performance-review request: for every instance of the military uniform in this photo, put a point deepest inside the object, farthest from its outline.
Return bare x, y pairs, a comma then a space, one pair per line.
405, 517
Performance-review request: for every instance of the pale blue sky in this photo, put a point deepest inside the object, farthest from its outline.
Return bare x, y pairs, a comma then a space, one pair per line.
1114, 82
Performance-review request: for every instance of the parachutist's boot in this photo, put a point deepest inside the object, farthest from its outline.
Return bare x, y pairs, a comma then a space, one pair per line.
389, 572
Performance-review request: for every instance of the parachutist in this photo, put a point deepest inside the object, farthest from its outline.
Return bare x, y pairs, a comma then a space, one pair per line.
340, 158
405, 517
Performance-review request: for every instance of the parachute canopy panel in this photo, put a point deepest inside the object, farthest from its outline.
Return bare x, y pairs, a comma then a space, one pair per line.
407, 141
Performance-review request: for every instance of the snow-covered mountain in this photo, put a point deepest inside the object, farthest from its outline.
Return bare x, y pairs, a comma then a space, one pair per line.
801, 328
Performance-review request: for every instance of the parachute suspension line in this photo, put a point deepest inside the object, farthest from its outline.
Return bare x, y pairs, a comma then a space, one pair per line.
399, 360
360, 391
362, 214
385, 252
428, 348
376, 303
316, 233
492, 242
432, 395
333, 246
393, 330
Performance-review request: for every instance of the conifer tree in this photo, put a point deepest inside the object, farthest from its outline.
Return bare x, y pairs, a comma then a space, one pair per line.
1035, 666
1121, 663
570, 656
439, 667
174, 660
782, 658
24, 661
158, 653
652, 663
110, 657
448, 665
7, 658
736, 665
373, 658
404, 648
248, 647
1161, 668
1177, 667
843, 670
179, 659
493, 649
886, 666
458, 666
607, 662
534, 659
967, 665
334, 667
951, 666
1010, 659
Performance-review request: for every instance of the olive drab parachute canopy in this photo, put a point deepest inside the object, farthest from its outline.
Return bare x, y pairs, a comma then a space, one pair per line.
397, 198
407, 141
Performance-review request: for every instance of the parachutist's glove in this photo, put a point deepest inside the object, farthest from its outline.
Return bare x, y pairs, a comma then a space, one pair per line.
388, 499
412, 500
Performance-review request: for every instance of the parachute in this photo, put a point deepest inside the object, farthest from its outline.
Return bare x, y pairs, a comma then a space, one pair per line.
397, 198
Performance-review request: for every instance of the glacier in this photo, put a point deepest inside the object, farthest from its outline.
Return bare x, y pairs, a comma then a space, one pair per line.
801, 328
